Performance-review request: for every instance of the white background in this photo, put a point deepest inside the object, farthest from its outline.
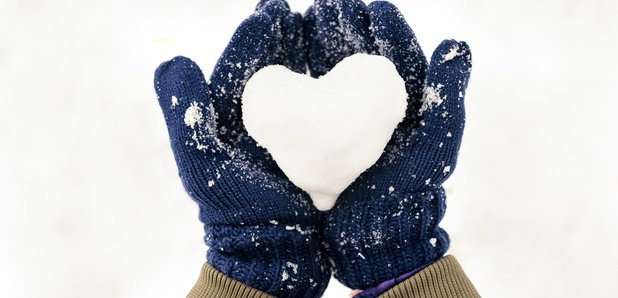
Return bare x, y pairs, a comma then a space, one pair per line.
91, 205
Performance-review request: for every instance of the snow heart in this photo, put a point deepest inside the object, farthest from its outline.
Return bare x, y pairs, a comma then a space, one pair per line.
323, 133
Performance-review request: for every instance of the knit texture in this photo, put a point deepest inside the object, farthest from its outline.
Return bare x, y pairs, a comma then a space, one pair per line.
387, 222
261, 229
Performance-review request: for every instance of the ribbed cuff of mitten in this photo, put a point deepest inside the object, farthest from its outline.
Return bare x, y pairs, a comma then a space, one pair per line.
378, 240
443, 279
278, 259
214, 284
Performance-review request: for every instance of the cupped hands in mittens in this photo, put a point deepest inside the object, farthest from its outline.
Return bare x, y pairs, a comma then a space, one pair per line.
386, 223
260, 228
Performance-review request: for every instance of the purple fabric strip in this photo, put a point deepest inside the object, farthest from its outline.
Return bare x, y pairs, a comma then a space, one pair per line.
386, 285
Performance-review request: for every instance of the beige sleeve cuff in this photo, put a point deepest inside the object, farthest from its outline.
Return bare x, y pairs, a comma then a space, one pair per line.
442, 279
214, 284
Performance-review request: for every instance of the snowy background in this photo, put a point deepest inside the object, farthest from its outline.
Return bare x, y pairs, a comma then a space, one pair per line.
90, 202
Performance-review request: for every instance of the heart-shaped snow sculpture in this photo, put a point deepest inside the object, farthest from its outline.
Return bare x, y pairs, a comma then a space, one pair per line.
323, 133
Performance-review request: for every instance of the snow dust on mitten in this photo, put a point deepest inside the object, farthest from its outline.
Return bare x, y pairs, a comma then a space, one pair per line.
386, 223
260, 229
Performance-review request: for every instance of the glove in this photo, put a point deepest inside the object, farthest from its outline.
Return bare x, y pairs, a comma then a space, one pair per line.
261, 229
386, 223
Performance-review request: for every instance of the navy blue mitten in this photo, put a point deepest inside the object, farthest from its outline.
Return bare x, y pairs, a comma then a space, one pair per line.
261, 229
386, 223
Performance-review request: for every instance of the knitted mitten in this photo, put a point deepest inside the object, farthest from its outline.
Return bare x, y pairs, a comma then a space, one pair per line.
261, 229
386, 223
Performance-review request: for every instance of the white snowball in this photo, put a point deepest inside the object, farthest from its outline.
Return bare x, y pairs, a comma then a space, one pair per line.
325, 132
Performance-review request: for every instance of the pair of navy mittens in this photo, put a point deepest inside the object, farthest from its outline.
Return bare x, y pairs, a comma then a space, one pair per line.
261, 229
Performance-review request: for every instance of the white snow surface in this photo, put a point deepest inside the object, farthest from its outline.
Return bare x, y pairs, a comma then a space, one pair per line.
325, 132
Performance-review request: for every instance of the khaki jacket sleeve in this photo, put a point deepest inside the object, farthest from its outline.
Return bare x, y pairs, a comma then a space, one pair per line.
442, 279
214, 284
